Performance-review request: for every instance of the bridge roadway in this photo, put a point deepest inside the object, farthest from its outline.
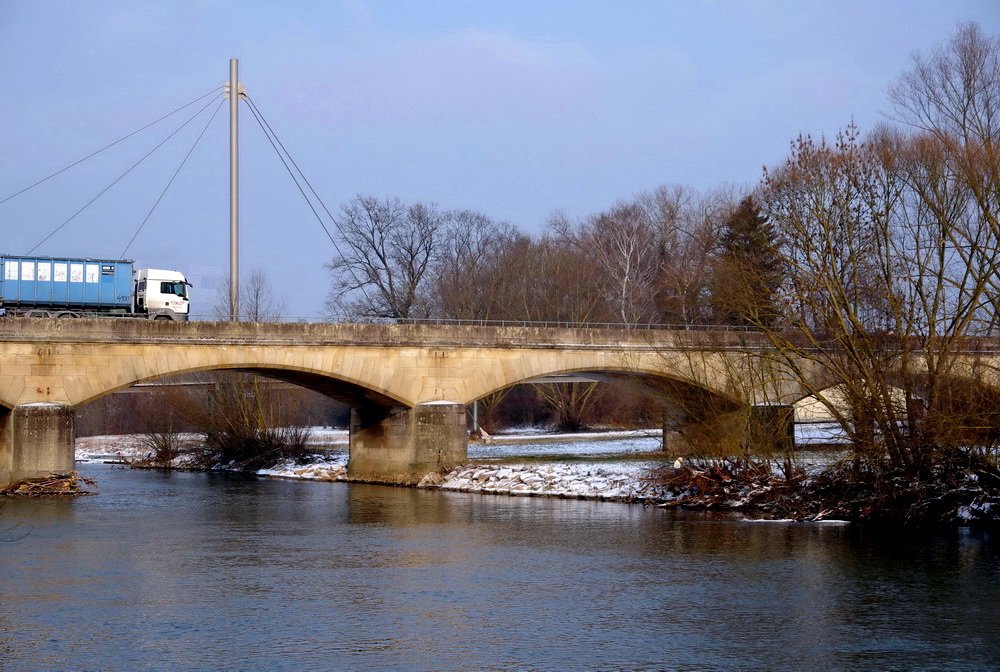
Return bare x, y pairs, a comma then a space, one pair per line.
407, 385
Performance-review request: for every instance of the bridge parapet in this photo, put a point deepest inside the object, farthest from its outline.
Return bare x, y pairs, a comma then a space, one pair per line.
423, 335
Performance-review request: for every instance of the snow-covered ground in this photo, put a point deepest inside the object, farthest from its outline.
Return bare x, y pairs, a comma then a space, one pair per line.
130, 446
531, 443
603, 480
117, 448
812, 433
581, 466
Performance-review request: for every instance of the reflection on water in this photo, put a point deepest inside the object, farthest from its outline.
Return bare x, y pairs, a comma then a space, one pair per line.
193, 571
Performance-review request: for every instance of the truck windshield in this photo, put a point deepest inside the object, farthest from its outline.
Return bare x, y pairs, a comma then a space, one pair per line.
172, 288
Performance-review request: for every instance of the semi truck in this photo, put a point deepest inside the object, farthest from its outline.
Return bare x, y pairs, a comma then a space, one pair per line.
65, 287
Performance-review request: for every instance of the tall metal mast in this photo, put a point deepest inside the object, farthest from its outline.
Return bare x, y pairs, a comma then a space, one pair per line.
234, 190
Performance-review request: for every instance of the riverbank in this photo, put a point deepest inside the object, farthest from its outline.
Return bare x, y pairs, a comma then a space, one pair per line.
630, 467
610, 466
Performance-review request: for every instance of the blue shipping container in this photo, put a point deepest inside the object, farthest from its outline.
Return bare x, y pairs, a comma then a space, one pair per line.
58, 282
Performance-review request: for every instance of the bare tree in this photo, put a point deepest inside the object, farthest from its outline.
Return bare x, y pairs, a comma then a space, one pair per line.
544, 280
624, 243
470, 272
889, 272
244, 421
665, 206
954, 92
952, 98
690, 227
258, 302
386, 250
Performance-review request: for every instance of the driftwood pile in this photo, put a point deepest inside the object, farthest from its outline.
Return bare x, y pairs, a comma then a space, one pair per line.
54, 484
838, 493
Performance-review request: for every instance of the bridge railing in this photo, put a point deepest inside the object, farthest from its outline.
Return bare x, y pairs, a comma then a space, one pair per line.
445, 321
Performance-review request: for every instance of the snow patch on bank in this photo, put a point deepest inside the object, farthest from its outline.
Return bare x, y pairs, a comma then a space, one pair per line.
118, 448
321, 469
122, 447
616, 481
612, 481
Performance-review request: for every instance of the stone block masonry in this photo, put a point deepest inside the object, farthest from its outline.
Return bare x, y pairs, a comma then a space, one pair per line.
36, 440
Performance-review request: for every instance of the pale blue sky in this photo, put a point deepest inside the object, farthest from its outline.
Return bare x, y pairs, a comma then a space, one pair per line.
511, 108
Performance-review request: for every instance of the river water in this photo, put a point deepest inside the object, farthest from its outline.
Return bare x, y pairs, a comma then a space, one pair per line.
190, 571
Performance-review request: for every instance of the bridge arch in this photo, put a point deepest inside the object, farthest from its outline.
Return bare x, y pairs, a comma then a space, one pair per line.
660, 385
669, 375
342, 388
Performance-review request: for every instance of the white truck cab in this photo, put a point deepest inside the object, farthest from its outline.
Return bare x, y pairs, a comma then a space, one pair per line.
161, 294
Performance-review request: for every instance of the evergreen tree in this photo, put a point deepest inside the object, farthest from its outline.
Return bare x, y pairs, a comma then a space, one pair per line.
747, 269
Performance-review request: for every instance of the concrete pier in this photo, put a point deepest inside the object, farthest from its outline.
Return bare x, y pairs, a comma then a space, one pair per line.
403, 445
36, 440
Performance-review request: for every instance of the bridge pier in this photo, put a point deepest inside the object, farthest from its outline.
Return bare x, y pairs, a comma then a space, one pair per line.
36, 440
403, 445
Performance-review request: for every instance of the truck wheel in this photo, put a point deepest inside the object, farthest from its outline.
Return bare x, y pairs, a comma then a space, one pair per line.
161, 317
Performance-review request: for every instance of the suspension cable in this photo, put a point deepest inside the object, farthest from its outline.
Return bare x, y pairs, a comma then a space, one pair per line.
119, 178
268, 135
299, 170
172, 178
109, 146
272, 137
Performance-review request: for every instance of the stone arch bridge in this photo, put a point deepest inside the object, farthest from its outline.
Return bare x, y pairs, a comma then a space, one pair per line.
408, 385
